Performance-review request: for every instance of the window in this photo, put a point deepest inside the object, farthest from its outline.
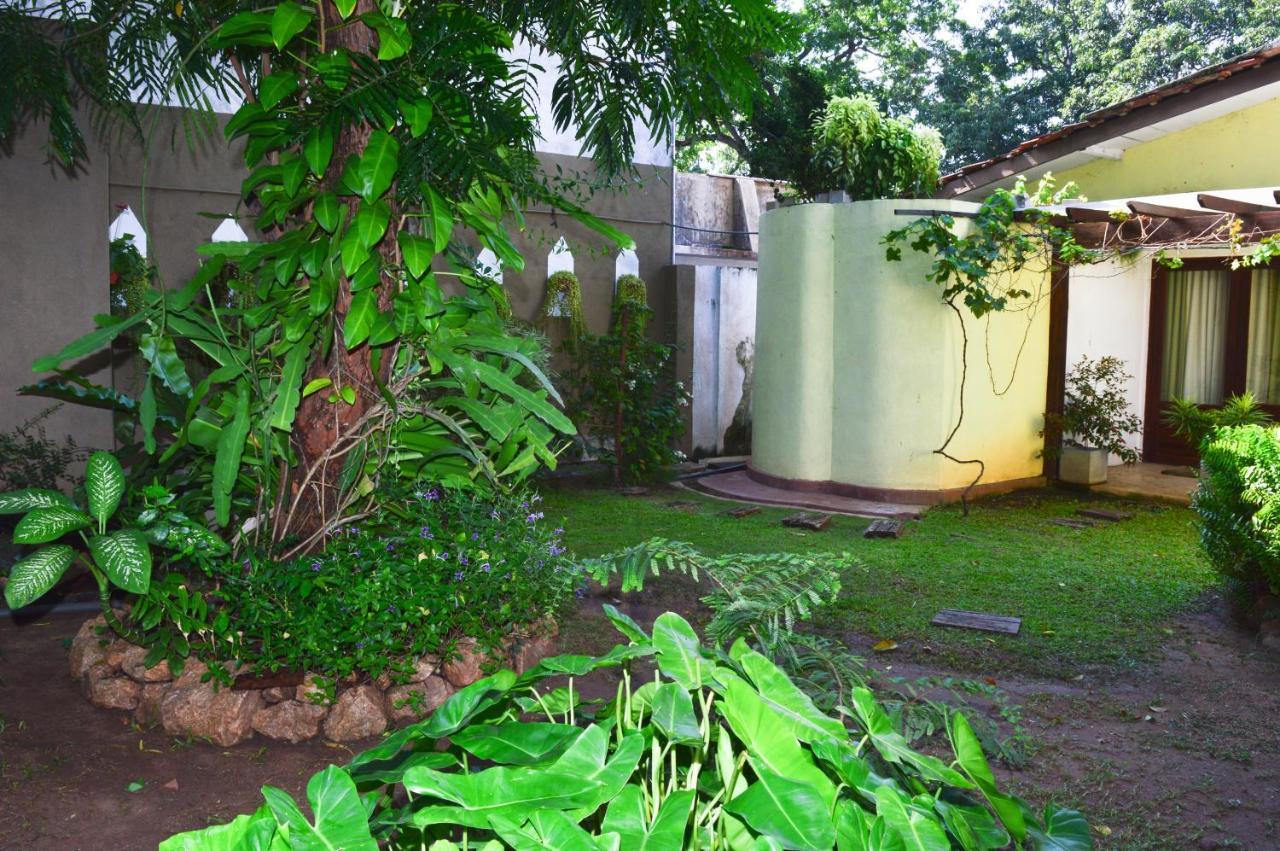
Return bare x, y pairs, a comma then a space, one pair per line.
1262, 358
1195, 335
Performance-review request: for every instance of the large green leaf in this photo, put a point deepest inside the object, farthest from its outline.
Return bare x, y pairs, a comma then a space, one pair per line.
769, 742
973, 825
466, 704
104, 485
377, 167
256, 832
626, 625
288, 20
790, 811
515, 743
161, 352
317, 149
360, 318
226, 464
276, 87
544, 829
973, 763
626, 817
36, 574
679, 652
673, 714
417, 252
1064, 830
340, 820
918, 830
471, 799
285, 405
42, 525
88, 344
894, 747
125, 558
793, 706
327, 209
22, 501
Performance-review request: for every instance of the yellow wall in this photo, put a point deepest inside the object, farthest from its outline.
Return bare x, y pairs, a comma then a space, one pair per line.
1235, 151
858, 361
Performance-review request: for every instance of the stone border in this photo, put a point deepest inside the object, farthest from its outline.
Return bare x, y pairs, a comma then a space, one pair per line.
113, 675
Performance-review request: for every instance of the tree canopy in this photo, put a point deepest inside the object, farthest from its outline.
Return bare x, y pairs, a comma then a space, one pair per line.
1019, 69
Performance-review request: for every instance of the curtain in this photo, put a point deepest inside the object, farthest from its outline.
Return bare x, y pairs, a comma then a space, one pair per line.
1194, 338
1262, 373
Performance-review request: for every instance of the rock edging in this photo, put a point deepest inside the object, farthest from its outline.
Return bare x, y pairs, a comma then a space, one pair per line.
113, 675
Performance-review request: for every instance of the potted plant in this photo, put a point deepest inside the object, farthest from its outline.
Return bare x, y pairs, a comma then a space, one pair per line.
1094, 422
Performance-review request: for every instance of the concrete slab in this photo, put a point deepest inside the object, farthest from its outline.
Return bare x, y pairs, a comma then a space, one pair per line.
739, 487
1148, 480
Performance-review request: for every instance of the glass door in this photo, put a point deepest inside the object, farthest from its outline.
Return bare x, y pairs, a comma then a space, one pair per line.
1215, 333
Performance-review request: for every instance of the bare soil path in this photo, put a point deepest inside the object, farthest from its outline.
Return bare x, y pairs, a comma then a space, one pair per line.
1181, 753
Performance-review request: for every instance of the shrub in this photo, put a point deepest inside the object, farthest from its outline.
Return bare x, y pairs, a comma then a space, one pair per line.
1194, 423
29, 458
626, 403
1096, 412
718, 750
871, 155
438, 564
1238, 503
564, 300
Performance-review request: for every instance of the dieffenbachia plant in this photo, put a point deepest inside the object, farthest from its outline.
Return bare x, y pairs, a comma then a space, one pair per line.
119, 557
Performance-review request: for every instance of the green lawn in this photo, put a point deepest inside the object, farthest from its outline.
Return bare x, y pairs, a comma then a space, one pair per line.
1093, 597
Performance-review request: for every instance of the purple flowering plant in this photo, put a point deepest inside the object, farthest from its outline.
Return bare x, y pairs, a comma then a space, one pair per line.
437, 564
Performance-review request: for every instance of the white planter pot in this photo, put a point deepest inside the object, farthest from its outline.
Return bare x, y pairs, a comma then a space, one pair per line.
1079, 465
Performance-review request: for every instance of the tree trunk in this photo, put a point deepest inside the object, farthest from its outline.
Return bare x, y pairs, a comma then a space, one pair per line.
321, 424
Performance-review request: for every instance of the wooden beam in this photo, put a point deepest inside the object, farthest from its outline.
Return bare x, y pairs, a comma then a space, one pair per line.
1233, 205
1171, 231
1276, 194
1144, 208
1089, 214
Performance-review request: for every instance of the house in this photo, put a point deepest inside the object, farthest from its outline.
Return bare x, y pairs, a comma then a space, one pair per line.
1176, 170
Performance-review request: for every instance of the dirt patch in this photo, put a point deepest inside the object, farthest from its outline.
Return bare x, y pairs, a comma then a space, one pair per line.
1182, 753
66, 767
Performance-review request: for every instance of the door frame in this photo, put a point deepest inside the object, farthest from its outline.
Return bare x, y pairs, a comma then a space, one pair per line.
1159, 443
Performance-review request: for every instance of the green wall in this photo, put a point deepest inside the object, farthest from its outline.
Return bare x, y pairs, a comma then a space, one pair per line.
858, 363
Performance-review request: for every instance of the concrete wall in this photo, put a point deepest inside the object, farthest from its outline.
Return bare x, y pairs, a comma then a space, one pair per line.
54, 246
858, 364
1230, 152
1110, 314
53, 252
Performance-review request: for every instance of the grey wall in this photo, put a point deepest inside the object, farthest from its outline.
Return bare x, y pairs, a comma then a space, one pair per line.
54, 246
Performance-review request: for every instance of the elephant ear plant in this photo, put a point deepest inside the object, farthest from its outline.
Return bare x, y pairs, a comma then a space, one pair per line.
707, 750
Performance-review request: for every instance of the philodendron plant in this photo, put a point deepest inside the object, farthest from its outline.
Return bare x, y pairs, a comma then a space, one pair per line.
712, 750
119, 557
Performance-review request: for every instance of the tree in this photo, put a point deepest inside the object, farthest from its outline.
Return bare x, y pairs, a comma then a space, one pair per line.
380, 136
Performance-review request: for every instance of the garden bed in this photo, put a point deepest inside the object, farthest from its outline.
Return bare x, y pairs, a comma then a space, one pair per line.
288, 707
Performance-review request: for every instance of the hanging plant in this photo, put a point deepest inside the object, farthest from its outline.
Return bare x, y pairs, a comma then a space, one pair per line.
131, 277
564, 301
630, 302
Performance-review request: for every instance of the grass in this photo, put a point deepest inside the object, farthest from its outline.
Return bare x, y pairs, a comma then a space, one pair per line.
1088, 598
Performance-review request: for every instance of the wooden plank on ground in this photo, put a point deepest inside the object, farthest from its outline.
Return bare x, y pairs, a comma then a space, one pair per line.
743, 511
978, 620
634, 491
812, 522
885, 529
1073, 523
1104, 514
